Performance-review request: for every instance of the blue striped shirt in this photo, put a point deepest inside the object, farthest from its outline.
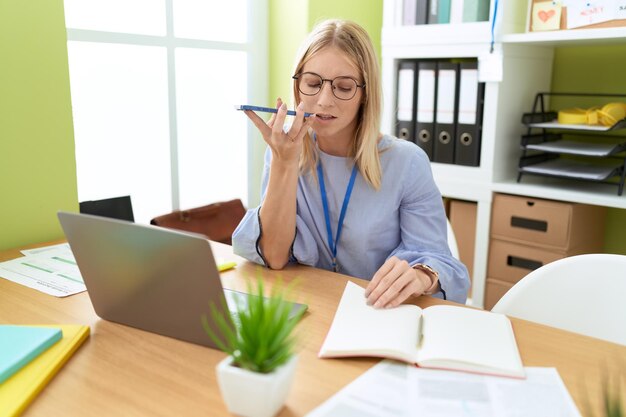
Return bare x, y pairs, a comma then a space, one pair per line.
405, 218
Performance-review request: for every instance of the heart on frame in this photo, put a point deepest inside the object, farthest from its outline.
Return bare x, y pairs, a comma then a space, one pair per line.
544, 16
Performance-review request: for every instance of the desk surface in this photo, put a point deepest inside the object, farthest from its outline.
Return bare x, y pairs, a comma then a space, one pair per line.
124, 371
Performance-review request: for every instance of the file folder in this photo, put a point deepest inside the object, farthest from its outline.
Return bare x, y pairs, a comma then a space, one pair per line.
406, 99
445, 115
476, 10
439, 11
425, 115
469, 116
415, 12
445, 8
433, 11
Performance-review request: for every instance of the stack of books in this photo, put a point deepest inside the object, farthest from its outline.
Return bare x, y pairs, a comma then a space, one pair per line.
29, 357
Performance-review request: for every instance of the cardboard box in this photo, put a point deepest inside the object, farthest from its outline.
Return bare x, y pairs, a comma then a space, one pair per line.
494, 290
553, 225
446, 206
463, 222
510, 262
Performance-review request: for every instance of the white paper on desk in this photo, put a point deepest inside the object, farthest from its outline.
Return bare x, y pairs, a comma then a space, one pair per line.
44, 249
383, 391
395, 389
53, 271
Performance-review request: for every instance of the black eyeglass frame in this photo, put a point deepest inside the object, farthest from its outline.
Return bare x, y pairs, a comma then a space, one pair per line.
297, 77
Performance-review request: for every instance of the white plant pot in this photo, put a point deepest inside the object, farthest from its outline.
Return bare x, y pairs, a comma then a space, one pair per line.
252, 394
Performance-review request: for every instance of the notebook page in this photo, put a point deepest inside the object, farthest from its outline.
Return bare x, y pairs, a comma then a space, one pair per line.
362, 330
468, 339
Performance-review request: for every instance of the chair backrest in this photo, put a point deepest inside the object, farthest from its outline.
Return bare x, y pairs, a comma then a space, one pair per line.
454, 248
116, 208
583, 294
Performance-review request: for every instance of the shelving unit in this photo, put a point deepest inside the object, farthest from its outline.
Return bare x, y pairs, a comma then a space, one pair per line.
550, 153
527, 70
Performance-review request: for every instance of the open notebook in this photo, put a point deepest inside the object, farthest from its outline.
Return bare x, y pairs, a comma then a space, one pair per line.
442, 336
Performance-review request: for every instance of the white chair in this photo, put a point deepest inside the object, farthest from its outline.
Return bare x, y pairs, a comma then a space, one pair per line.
583, 294
454, 248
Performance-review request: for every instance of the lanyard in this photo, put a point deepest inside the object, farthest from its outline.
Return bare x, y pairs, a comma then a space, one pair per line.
333, 245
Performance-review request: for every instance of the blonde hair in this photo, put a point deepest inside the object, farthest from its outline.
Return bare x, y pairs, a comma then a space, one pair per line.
354, 41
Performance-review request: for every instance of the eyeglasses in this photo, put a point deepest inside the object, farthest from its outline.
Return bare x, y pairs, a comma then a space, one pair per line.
310, 83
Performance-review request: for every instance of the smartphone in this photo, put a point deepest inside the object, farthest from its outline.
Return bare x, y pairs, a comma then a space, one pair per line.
268, 110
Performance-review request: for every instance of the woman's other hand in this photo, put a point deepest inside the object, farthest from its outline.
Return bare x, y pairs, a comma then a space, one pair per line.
394, 282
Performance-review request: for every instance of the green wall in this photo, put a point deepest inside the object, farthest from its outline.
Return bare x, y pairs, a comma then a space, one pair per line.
37, 162
595, 69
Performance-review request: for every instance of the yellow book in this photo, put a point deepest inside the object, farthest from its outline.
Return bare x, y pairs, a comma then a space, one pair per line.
20, 389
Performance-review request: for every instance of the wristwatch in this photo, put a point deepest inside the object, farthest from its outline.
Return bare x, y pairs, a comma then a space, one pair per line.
432, 274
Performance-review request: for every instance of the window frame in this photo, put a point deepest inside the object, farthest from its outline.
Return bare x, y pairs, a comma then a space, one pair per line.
256, 47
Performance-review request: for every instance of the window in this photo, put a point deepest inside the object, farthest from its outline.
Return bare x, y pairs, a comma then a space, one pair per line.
153, 85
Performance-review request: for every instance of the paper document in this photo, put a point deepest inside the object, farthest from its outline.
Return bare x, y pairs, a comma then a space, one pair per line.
573, 169
51, 269
400, 390
557, 125
578, 148
37, 251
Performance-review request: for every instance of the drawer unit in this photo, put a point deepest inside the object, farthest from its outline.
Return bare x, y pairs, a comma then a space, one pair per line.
548, 224
511, 262
463, 222
527, 233
494, 290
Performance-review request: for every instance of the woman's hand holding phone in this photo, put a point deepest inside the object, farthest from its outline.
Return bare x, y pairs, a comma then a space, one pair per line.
286, 146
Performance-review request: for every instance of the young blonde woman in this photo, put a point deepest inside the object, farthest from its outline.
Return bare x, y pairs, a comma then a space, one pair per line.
338, 195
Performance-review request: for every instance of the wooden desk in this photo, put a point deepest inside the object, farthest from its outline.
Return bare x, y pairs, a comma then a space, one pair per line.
123, 371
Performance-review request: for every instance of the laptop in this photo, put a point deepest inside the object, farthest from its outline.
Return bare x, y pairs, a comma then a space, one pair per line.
148, 277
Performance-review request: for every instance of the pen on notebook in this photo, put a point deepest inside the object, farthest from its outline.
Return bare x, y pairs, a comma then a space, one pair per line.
268, 110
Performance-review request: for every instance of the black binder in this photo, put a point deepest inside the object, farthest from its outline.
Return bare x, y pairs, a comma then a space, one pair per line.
415, 12
425, 114
445, 114
433, 11
406, 100
469, 116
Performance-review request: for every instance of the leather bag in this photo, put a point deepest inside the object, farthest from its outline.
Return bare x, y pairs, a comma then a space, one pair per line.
216, 221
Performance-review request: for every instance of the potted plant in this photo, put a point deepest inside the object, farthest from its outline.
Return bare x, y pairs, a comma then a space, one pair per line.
256, 376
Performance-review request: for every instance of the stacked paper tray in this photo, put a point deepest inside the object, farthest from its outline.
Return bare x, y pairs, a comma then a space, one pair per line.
573, 169
579, 148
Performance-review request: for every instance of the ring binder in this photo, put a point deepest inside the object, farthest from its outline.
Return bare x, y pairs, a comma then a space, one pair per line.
445, 115
406, 99
425, 115
469, 116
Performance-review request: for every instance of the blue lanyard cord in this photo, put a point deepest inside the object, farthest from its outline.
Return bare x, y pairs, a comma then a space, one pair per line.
333, 245
493, 25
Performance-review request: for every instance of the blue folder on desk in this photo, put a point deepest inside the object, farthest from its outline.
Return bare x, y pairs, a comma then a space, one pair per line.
22, 344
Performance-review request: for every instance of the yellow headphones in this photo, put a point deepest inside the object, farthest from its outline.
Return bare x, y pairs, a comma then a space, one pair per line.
608, 115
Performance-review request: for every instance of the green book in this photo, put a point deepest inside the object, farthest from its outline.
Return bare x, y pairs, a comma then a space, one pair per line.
476, 11
21, 344
444, 11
